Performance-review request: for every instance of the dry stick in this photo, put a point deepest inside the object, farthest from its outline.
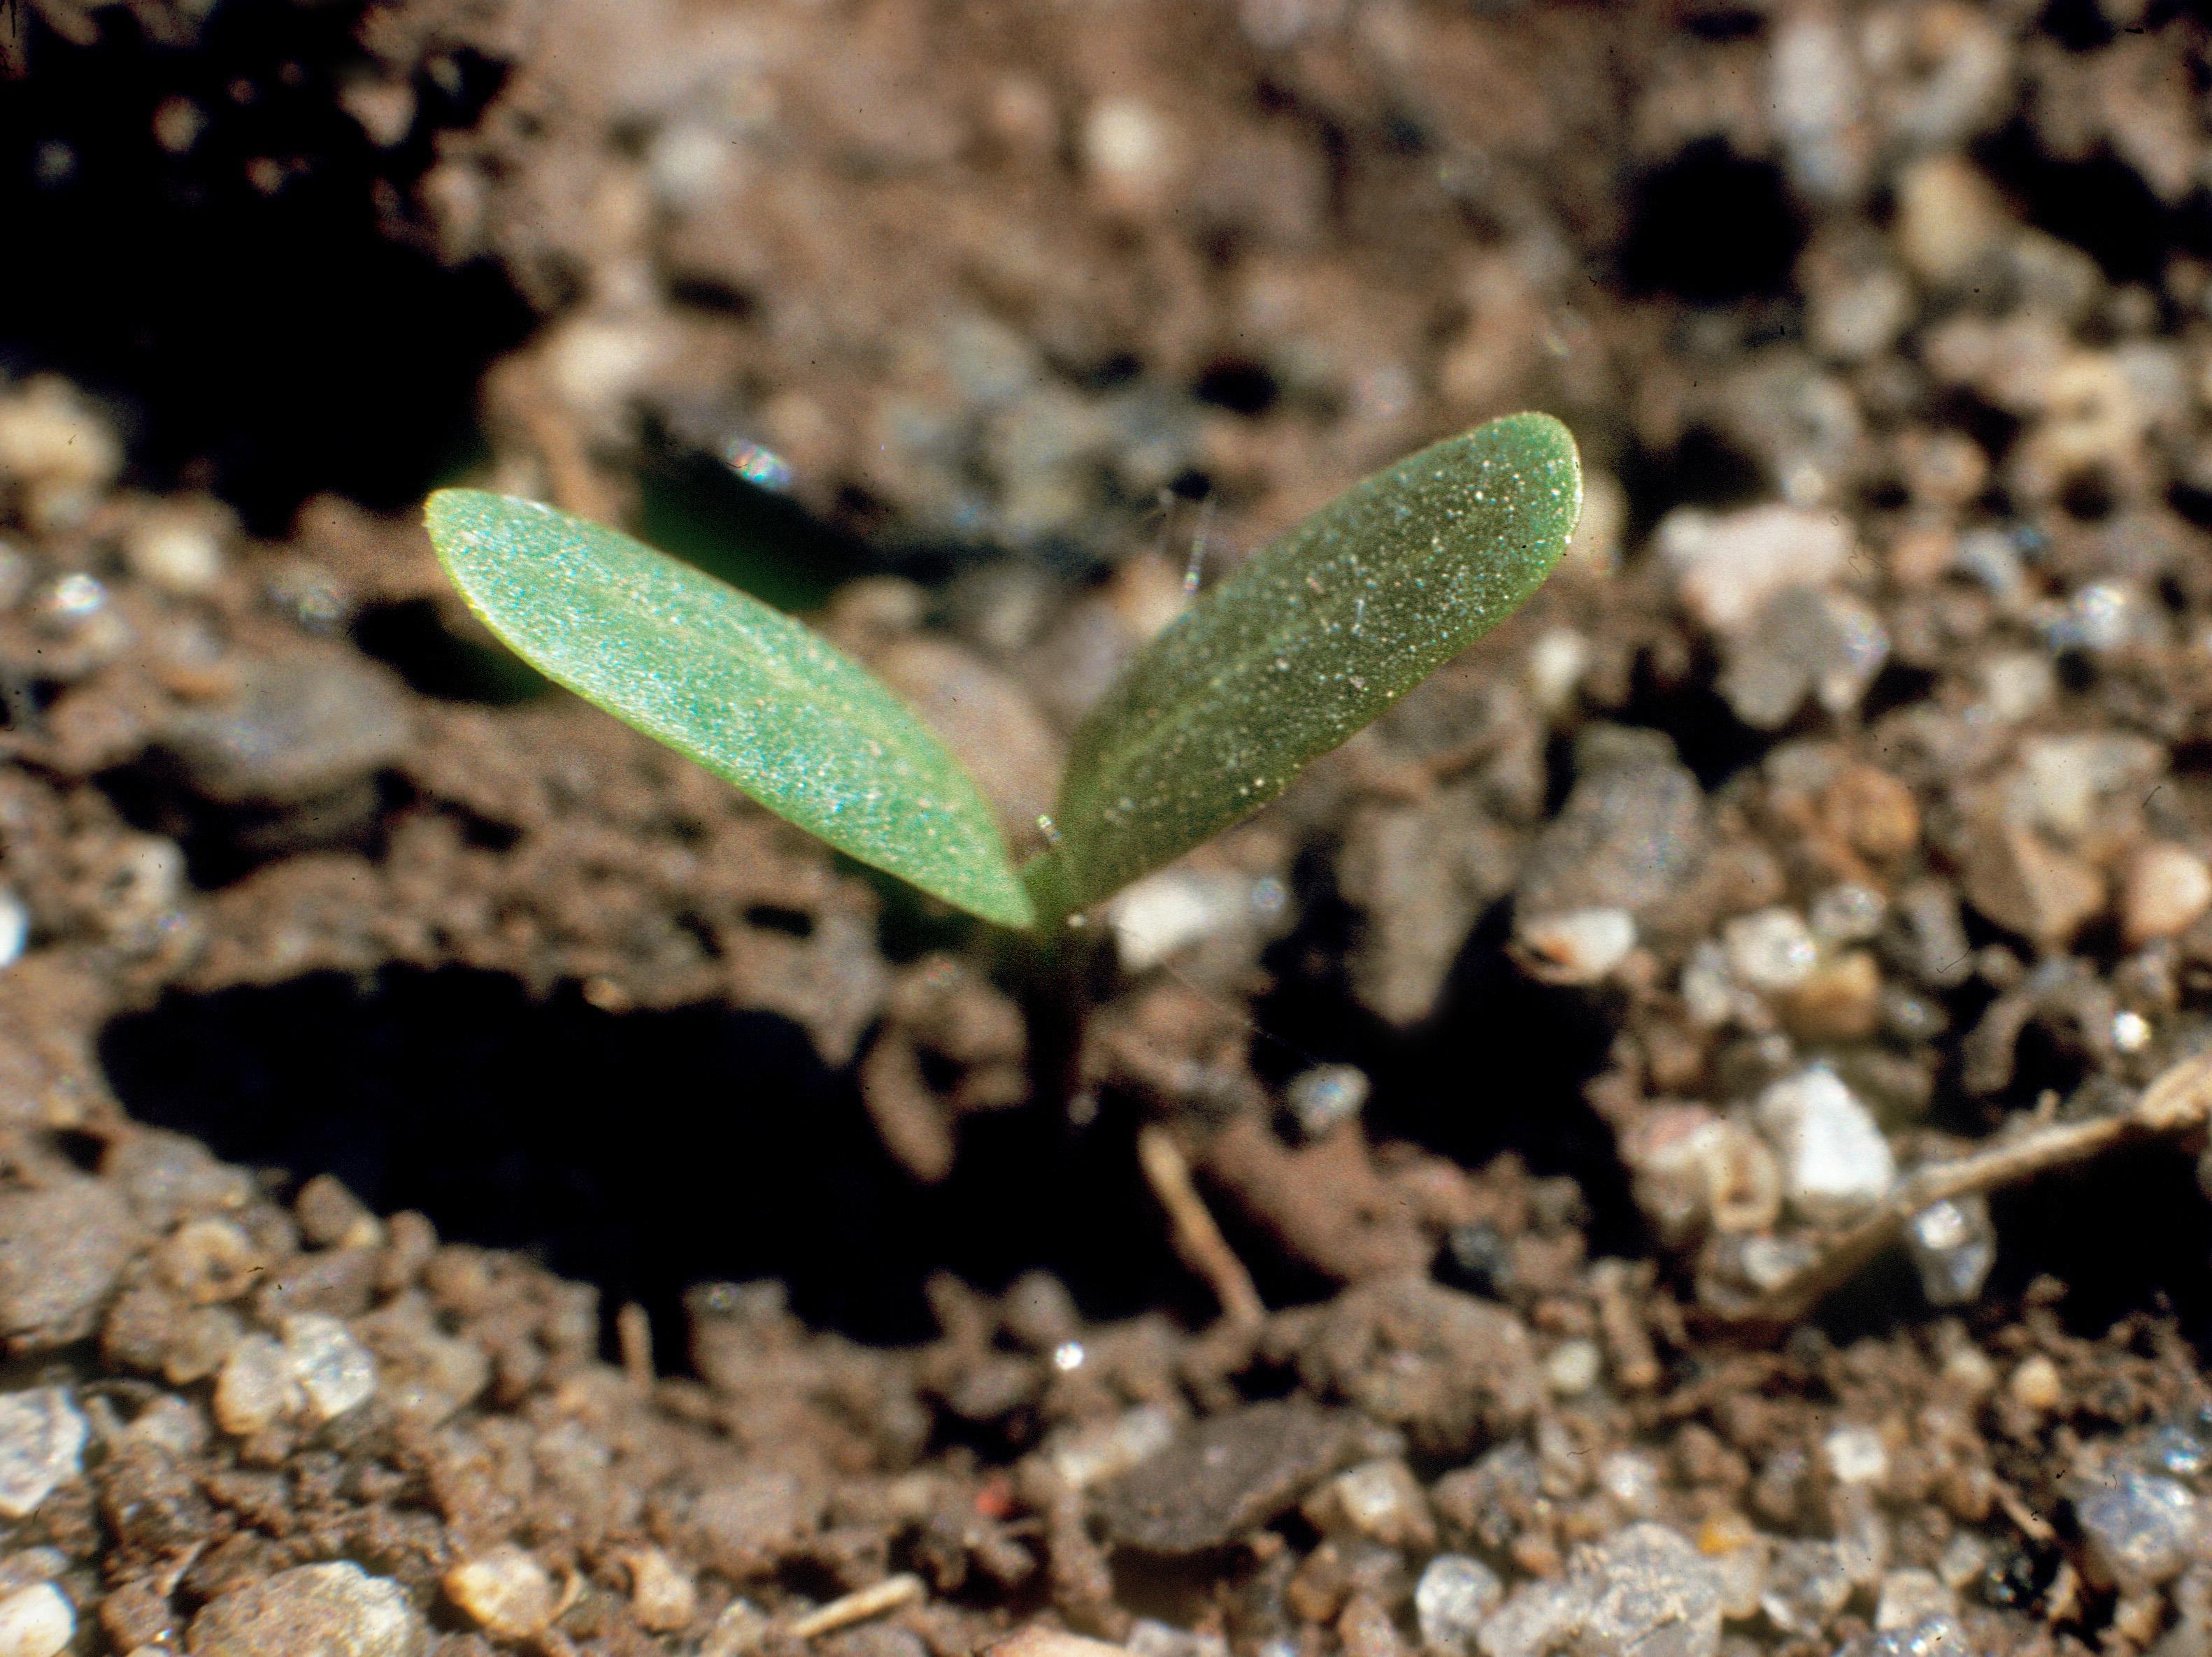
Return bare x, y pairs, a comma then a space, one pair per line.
1197, 1238
857, 1607
2179, 1099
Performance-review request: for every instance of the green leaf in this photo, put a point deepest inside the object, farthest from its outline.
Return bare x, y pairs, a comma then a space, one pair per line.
1308, 641
751, 694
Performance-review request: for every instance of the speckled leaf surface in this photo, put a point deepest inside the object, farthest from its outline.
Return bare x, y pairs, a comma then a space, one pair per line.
1308, 641
750, 693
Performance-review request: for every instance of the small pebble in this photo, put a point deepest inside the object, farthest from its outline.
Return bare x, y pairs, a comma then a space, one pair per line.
1643, 1592
1727, 568
1632, 1479
1581, 946
2141, 1529
42, 1437
36, 1622
175, 551
2166, 890
1381, 1500
1325, 1095
256, 1387
740, 1630
1772, 949
14, 928
1835, 1161
505, 1592
334, 1608
2035, 1385
1910, 1598
1849, 913
1165, 913
1455, 1594
333, 1370
1087, 1454
662, 1595
1953, 1245
1856, 1455
1572, 1368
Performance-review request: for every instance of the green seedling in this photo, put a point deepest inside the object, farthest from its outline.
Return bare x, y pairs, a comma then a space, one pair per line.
1310, 641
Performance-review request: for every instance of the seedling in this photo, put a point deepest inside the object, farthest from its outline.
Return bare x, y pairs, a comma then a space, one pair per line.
1308, 641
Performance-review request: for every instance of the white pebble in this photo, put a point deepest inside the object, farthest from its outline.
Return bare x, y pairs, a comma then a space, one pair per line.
662, 1595
42, 1438
334, 1371
14, 928
1572, 1368
1090, 1455
1578, 946
1165, 913
1455, 1594
506, 1592
1556, 662
1856, 1455
1772, 949
256, 1387
36, 1622
1727, 568
1952, 1245
1835, 1161
1909, 1598
176, 552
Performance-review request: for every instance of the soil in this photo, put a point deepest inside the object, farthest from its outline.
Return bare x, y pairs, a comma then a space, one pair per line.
471, 1183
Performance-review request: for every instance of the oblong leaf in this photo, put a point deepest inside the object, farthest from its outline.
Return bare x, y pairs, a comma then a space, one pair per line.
1310, 641
753, 696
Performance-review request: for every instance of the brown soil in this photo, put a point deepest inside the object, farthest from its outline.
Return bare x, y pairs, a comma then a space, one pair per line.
442, 1135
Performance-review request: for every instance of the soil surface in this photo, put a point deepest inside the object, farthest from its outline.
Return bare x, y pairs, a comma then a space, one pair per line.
1681, 1141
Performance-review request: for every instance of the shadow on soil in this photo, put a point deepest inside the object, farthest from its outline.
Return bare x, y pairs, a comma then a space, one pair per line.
641, 1151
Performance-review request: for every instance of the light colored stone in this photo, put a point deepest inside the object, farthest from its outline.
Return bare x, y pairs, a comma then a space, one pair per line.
1096, 1451
2142, 1530
1949, 218
2166, 891
742, 1628
1835, 1161
505, 1592
1643, 1592
334, 1371
256, 1387
312, 1611
2036, 1384
1726, 569
1856, 1455
1572, 1368
1577, 946
1771, 949
662, 1595
1453, 1596
42, 1436
1910, 1598
36, 1622
2028, 886
175, 550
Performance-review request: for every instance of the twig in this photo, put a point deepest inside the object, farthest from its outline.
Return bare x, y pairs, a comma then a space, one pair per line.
1197, 1238
859, 1606
2177, 1101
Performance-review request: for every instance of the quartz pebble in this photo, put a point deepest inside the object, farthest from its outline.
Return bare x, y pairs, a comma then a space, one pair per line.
742, 1627
1086, 1455
1835, 1161
14, 928
505, 1592
1953, 1245
42, 1437
333, 1370
1320, 1098
256, 1387
1643, 1592
1772, 949
1572, 1368
1381, 1500
1807, 1585
2028, 886
1165, 913
2141, 1529
335, 1609
36, 1622
1453, 1596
